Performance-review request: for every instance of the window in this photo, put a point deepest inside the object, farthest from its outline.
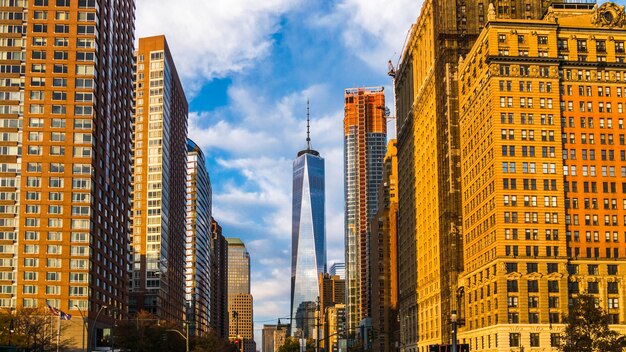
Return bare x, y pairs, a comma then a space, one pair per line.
514, 339
612, 287
592, 287
61, 28
553, 268
511, 267
553, 302
555, 339
534, 339
533, 286
553, 286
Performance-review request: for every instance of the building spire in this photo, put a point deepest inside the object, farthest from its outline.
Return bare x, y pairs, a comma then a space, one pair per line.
308, 149
308, 125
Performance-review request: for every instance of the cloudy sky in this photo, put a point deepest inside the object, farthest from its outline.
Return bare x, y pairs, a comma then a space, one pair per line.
248, 68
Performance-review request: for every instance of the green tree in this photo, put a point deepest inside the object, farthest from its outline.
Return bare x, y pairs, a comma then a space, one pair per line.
212, 343
292, 344
588, 330
146, 333
33, 328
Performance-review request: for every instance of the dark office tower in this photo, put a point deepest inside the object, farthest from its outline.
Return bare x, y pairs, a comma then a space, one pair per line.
198, 265
429, 175
384, 259
308, 238
219, 282
365, 134
65, 157
157, 283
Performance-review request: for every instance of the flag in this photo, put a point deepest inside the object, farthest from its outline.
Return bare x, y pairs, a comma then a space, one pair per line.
62, 315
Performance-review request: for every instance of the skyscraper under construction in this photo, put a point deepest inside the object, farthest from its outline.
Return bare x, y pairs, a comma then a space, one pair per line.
365, 133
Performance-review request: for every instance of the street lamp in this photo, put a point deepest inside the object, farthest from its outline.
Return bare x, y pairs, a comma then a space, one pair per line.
453, 318
186, 337
84, 324
11, 330
236, 317
95, 322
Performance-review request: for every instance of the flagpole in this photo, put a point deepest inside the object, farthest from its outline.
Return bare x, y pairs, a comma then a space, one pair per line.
59, 331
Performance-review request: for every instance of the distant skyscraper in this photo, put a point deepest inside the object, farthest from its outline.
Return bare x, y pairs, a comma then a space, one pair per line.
332, 292
365, 130
198, 268
338, 269
66, 150
157, 283
308, 239
239, 297
219, 281
268, 337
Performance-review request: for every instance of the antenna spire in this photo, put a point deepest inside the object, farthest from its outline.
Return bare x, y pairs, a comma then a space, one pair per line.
308, 124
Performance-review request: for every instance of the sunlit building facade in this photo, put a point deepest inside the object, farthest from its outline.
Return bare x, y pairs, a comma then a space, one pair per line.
365, 138
308, 239
240, 313
430, 231
332, 292
199, 242
544, 175
157, 282
65, 156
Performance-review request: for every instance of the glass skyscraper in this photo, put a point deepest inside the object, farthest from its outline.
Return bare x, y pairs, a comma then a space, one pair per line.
308, 257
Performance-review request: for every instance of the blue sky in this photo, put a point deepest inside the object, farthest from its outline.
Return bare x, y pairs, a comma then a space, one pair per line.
248, 67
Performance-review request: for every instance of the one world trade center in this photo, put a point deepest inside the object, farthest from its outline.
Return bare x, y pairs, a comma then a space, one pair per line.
308, 241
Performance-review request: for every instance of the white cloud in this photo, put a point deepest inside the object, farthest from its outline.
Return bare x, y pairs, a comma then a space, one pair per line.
375, 30
259, 142
212, 38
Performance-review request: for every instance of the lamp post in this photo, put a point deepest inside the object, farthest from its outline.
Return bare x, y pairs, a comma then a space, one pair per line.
84, 324
453, 319
11, 330
236, 317
95, 323
186, 337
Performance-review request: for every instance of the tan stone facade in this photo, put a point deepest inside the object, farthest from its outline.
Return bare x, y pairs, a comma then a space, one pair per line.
544, 175
430, 255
